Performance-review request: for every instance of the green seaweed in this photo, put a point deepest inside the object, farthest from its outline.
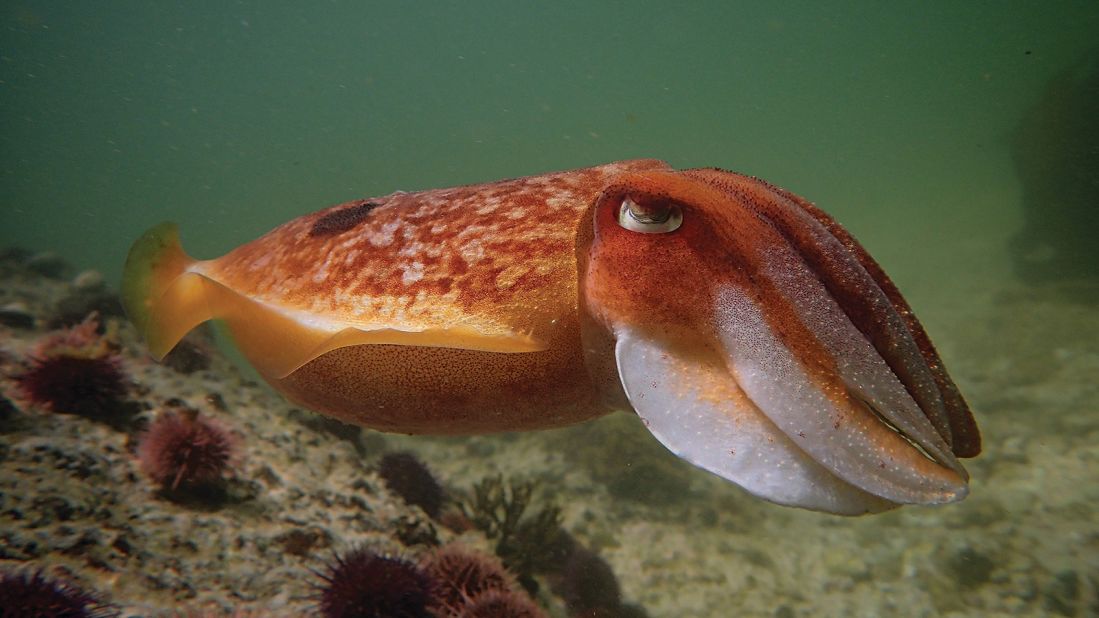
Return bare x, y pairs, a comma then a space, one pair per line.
529, 544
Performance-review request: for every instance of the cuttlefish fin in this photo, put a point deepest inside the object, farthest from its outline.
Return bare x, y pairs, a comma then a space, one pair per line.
689, 401
154, 265
165, 298
167, 293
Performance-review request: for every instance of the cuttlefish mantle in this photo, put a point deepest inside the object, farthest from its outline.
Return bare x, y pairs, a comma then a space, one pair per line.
751, 333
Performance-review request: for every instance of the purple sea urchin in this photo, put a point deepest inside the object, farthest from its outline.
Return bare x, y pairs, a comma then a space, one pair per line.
32, 595
76, 371
87, 386
405, 475
186, 450
364, 584
501, 604
462, 574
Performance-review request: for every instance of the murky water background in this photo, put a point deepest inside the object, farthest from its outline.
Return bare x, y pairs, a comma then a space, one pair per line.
231, 118
234, 117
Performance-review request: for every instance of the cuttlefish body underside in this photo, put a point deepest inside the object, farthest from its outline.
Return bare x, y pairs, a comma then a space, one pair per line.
751, 333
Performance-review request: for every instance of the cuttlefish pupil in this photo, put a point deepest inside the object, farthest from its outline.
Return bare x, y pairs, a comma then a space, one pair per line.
761, 342
655, 218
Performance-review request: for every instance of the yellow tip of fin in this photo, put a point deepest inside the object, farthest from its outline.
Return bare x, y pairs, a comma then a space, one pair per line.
161, 302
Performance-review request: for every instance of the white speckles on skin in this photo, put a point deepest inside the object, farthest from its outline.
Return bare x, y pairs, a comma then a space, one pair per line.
411, 249
558, 201
421, 297
383, 237
321, 273
262, 262
351, 256
470, 243
510, 275
489, 205
412, 273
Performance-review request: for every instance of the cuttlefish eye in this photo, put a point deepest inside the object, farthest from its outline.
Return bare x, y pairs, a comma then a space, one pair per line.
658, 217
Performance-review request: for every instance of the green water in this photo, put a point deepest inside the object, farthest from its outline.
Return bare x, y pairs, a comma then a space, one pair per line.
233, 117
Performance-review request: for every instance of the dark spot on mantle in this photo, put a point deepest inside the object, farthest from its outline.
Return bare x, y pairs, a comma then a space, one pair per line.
343, 219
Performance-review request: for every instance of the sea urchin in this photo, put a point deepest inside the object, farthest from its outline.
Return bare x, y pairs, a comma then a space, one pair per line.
185, 450
462, 574
405, 475
30, 595
76, 371
86, 385
501, 604
365, 584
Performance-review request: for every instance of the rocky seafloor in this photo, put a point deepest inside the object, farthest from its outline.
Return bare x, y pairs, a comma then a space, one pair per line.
76, 504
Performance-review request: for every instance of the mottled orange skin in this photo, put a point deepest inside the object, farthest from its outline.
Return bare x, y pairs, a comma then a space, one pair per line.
500, 257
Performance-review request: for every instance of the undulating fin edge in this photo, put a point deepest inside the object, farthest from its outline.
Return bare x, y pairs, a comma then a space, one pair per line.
153, 266
166, 298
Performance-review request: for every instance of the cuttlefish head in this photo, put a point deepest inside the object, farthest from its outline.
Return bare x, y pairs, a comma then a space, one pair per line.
756, 339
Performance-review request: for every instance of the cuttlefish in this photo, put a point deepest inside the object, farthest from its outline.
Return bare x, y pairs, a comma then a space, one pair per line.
752, 335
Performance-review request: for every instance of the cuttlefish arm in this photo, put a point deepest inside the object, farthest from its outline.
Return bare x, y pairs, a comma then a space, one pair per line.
756, 339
